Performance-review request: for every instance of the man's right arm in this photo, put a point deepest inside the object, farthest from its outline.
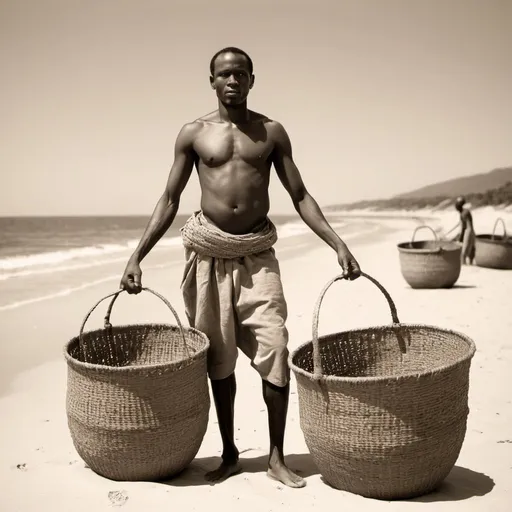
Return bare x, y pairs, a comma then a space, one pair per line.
167, 206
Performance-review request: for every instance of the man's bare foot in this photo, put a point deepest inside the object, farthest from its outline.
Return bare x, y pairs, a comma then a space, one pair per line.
224, 471
279, 471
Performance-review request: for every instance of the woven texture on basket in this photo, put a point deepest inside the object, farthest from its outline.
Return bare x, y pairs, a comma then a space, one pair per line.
383, 410
430, 263
494, 251
137, 397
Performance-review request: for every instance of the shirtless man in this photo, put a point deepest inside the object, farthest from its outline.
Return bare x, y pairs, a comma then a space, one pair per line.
233, 150
467, 232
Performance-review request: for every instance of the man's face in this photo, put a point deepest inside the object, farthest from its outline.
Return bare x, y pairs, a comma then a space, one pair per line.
231, 78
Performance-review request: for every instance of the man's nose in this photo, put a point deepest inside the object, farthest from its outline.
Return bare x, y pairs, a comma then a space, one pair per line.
232, 80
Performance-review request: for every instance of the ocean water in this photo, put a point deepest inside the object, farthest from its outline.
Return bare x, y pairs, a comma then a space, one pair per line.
42, 258
31, 246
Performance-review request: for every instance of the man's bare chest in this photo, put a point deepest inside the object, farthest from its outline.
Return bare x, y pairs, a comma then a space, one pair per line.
218, 145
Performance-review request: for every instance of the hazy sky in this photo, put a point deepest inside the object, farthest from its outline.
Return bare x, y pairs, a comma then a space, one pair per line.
378, 96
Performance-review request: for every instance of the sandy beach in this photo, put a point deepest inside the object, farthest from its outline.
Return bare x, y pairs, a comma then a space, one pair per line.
41, 471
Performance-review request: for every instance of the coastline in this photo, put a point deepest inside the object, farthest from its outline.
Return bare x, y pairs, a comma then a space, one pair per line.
484, 217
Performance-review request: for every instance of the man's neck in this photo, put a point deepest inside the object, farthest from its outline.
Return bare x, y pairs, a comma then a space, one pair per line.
236, 115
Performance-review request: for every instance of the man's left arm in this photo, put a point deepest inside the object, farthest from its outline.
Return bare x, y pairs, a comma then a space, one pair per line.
305, 204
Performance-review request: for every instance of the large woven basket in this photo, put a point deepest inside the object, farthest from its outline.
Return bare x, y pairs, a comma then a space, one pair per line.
137, 397
430, 263
494, 251
383, 409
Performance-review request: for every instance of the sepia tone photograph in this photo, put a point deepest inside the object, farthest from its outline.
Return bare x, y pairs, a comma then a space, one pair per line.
255, 255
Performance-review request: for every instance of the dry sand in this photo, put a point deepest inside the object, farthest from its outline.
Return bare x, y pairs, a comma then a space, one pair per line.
41, 471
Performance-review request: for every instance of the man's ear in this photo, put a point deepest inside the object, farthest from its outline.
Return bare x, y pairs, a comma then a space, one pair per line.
211, 82
251, 83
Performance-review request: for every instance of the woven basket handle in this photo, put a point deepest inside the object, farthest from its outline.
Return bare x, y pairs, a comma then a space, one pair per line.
436, 238
499, 219
108, 325
317, 360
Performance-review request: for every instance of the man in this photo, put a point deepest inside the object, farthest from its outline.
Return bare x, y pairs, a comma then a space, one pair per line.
231, 284
467, 232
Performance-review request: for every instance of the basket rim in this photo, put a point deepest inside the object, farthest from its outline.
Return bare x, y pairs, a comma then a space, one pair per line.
383, 378
138, 367
504, 242
446, 247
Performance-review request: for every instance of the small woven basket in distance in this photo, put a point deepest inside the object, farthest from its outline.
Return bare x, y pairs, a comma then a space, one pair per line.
137, 397
383, 409
430, 263
494, 251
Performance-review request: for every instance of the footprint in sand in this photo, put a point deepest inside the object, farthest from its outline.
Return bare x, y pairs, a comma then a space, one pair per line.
117, 498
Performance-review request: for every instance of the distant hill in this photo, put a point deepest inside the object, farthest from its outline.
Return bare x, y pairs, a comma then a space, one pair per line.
466, 185
444, 195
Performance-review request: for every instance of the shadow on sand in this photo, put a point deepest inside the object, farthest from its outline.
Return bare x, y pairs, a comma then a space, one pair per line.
454, 287
302, 464
460, 484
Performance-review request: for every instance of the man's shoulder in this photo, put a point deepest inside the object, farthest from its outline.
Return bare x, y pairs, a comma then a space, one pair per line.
257, 117
190, 130
277, 132
199, 123
274, 128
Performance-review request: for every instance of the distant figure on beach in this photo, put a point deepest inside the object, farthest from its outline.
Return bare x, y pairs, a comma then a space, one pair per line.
467, 232
231, 283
